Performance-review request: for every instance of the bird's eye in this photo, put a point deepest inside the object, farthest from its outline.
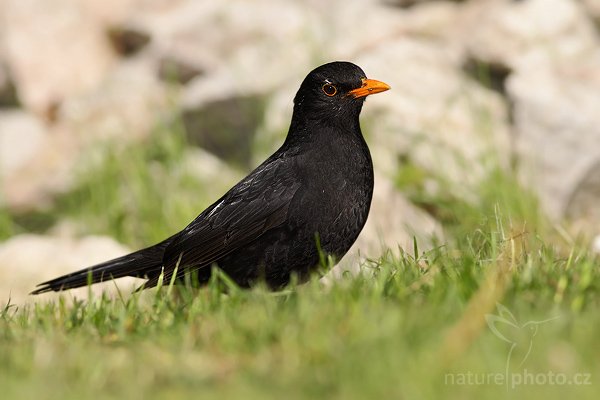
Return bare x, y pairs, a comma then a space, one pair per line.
329, 89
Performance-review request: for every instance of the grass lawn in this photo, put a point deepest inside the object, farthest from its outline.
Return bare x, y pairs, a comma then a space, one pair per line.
505, 307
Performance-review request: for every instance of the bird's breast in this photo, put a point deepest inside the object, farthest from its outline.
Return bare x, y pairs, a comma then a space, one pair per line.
337, 187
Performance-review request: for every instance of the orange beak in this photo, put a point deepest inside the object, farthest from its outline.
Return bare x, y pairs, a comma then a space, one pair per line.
369, 86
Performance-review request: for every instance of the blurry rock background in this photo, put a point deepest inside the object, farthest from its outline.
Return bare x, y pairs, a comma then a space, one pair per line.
476, 84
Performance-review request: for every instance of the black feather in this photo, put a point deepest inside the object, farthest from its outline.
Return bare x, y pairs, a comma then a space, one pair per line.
318, 183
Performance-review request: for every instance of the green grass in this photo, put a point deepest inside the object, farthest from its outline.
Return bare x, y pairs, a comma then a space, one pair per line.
410, 325
6, 224
394, 331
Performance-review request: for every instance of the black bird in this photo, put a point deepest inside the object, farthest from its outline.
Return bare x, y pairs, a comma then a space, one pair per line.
312, 195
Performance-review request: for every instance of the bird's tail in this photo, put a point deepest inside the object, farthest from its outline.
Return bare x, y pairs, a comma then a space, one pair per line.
140, 264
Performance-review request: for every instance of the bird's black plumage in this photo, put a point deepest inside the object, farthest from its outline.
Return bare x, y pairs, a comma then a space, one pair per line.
319, 183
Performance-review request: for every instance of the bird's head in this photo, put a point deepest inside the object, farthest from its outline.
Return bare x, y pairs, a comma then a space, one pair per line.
335, 91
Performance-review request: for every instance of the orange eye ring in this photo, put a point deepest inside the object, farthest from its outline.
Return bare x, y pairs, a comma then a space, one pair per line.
329, 89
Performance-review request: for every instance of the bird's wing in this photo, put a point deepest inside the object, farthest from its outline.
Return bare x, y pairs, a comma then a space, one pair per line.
256, 204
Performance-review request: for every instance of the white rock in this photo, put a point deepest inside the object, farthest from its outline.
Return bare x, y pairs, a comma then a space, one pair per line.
582, 207
442, 21
596, 245
27, 260
22, 136
557, 128
55, 49
209, 170
125, 107
281, 41
513, 33
223, 41
445, 122
51, 170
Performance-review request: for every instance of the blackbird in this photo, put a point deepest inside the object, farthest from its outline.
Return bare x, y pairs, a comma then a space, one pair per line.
311, 197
